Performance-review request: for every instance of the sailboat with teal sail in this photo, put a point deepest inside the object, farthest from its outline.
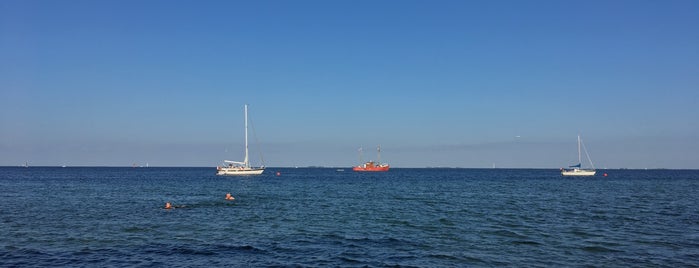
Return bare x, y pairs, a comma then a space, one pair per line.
577, 170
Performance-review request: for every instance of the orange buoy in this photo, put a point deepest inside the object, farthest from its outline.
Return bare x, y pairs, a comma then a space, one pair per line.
168, 205
229, 197
279, 173
605, 174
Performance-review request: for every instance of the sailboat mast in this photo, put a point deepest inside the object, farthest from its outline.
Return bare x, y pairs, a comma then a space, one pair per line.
246, 163
378, 149
579, 158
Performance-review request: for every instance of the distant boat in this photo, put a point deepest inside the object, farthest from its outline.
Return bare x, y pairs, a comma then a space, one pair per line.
235, 168
577, 170
371, 166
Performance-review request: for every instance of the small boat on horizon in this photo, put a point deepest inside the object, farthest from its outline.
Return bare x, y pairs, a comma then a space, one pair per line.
236, 168
371, 166
577, 170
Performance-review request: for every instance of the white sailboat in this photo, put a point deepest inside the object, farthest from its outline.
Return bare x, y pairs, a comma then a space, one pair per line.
236, 168
576, 170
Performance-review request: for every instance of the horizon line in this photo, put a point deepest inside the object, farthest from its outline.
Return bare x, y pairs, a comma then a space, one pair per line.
326, 167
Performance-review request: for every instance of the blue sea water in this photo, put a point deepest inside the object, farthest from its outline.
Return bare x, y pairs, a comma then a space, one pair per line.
114, 217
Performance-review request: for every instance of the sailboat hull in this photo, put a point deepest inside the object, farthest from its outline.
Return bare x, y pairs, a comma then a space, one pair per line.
236, 171
578, 172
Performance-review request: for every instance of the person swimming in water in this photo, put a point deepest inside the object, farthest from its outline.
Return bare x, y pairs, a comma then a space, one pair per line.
168, 205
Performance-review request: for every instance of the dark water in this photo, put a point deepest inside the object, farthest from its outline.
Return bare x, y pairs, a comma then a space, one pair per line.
321, 217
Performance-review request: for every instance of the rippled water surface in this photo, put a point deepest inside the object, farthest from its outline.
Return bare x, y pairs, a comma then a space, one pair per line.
322, 217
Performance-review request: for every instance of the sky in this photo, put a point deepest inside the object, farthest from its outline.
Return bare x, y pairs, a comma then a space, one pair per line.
473, 84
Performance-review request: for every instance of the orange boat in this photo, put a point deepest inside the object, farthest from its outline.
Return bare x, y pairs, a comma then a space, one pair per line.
371, 166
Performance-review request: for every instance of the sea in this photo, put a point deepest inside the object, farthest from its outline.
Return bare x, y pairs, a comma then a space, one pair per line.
325, 217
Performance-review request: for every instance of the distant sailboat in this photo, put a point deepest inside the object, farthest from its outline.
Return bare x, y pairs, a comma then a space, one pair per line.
371, 165
577, 170
235, 168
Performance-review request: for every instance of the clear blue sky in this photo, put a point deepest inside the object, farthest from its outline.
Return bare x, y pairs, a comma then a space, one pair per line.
435, 83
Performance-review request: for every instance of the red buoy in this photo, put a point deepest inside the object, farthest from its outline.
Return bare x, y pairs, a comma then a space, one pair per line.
279, 173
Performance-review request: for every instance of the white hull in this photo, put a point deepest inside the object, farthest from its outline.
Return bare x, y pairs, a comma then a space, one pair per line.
237, 171
578, 172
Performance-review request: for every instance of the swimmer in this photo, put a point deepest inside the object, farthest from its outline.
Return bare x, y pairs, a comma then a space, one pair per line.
229, 197
170, 206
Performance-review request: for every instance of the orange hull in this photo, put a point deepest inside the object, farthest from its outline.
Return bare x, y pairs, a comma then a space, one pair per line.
370, 166
372, 169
